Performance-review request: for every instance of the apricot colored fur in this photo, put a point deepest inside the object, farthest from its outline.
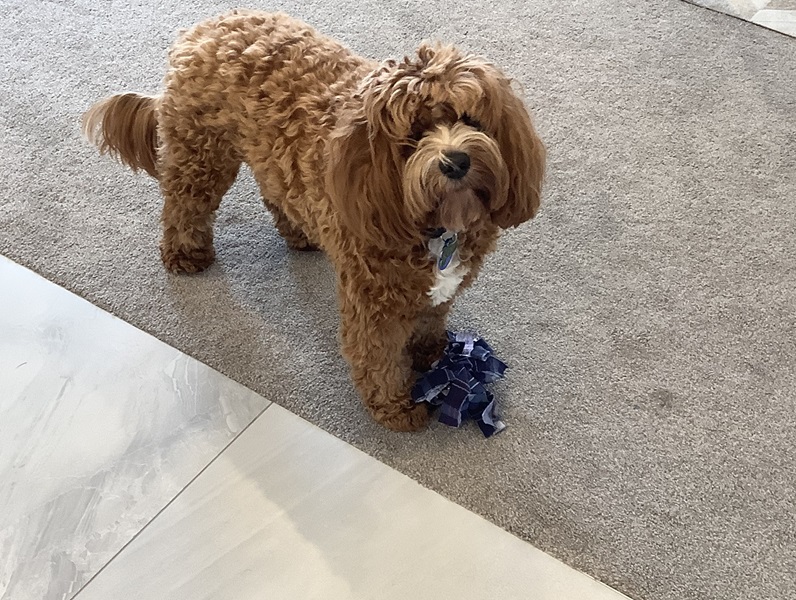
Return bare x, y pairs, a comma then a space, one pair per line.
346, 152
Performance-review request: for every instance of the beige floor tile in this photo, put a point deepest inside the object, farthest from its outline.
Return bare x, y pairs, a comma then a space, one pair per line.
288, 511
101, 425
779, 20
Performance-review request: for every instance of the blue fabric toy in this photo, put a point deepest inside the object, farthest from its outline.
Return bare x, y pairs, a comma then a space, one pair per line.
455, 383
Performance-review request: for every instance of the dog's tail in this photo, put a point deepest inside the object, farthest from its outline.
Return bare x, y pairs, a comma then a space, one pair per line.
125, 126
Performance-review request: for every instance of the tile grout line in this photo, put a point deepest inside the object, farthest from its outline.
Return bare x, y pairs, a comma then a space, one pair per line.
737, 17
169, 503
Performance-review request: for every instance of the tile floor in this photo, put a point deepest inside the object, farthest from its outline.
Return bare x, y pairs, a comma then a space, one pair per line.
100, 426
779, 15
129, 470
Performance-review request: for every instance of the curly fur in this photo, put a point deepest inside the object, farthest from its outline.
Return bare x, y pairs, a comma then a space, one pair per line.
347, 154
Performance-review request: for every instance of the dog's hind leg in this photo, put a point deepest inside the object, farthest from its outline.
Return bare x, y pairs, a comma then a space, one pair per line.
194, 174
295, 238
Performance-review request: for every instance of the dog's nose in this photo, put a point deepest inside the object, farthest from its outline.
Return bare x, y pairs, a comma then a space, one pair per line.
454, 164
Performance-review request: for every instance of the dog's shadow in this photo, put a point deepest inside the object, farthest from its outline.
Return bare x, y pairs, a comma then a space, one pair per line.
266, 315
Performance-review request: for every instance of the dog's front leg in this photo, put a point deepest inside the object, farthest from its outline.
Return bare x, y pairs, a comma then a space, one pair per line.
429, 337
375, 342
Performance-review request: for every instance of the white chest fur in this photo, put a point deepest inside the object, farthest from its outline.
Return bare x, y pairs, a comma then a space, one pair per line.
448, 279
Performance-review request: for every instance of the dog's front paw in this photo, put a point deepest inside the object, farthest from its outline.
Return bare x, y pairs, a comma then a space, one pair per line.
187, 260
411, 418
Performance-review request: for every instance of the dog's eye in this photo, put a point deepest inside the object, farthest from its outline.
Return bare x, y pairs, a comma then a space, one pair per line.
418, 129
470, 122
408, 149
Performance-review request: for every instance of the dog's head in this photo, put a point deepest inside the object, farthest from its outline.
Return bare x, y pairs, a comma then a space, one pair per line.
437, 140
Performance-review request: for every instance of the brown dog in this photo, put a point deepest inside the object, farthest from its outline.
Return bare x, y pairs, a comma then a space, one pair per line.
366, 161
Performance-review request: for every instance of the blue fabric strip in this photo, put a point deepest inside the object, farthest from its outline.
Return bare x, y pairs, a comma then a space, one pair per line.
455, 384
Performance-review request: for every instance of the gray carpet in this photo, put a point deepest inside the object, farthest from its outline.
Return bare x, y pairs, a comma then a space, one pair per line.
648, 315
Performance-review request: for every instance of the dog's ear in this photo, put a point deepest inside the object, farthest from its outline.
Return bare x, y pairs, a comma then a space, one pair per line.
364, 179
522, 151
